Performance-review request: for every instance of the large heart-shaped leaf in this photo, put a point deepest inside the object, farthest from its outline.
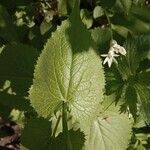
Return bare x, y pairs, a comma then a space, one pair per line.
111, 130
69, 70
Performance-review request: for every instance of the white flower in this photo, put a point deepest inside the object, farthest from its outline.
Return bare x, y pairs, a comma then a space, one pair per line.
110, 57
113, 52
118, 48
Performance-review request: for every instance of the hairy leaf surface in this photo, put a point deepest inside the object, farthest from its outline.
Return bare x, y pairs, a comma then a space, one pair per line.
111, 130
66, 72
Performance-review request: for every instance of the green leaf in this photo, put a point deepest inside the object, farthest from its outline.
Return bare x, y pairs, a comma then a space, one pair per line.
64, 73
36, 134
77, 139
129, 64
142, 13
131, 100
139, 2
144, 101
107, 3
126, 5
18, 117
140, 123
62, 7
137, 48
86, 18
144, 78
121, 30
17, 66
143, 45
111, 130
40, 130
65, 6
114, 82
131, 22
7, 29
144, 66
98, 12
101, 38
45, 27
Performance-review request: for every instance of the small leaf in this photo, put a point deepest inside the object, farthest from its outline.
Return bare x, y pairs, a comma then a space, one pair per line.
98, 12
86, 18
126, 5
111, 130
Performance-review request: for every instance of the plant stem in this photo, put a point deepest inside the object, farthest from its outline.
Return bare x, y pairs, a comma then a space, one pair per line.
109, 22
57, 123
65, 127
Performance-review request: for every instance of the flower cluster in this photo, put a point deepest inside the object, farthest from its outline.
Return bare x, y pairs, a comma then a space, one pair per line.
113, 52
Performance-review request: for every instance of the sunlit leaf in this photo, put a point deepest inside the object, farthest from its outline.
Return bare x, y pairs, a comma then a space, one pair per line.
98, 12
111, 130
64, 73
86, 18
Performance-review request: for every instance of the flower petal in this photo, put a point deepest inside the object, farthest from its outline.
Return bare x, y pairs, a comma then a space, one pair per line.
106, 59
110, 62
104, 55
122, 51
116, 48
115, 55
113, 42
